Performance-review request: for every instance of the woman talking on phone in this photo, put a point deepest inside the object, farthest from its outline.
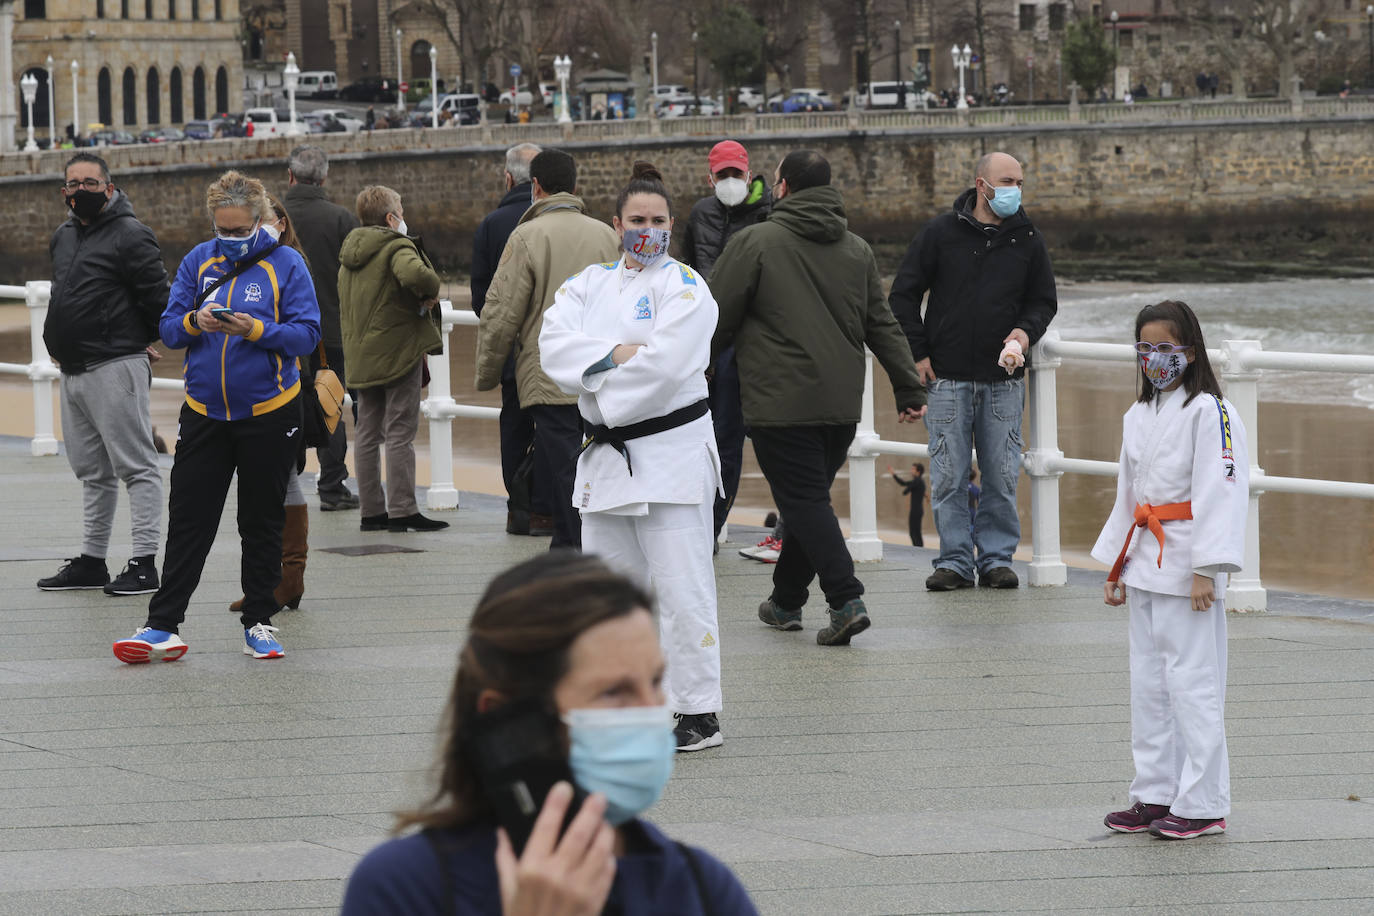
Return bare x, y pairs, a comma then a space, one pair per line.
563, 652
243, 308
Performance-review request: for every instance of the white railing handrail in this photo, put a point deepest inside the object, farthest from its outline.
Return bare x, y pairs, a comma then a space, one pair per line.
1240, 363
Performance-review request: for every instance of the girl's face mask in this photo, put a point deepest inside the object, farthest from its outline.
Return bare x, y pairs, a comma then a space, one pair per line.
648, 246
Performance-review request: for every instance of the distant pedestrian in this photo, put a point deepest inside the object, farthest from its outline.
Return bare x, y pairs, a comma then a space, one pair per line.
1184, 477
991, 296
370, 119
109, 288
1213, 82
800, 298
915, 487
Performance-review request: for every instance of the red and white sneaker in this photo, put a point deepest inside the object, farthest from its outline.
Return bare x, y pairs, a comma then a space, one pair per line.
1174, 827
770, 551
149, 645
752, 553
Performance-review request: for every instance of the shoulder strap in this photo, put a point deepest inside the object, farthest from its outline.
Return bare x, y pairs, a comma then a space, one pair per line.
238, 269
708, 907
442, 852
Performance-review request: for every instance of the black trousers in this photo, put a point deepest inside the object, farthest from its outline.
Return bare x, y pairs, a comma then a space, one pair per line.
517, 434
728, 418
333, 470
800, 464
208, 452
913, 522
557, 439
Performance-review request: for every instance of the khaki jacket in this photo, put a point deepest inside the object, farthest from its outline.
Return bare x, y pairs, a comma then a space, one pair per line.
383, 278
553, 241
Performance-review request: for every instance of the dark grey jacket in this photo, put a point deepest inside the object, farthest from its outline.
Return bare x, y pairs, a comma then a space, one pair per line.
322, 227
711, 225
109, 287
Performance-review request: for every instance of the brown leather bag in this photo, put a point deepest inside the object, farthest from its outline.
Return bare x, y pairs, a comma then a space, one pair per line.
330, 392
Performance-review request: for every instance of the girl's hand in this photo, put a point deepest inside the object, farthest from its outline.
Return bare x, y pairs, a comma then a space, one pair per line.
1114, 593
570, 876
1204, 593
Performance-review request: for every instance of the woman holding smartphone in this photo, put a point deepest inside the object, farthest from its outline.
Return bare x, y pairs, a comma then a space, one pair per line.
564, 635
243, 308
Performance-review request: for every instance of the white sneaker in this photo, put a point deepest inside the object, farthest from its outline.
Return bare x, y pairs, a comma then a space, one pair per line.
149, 645
764, 546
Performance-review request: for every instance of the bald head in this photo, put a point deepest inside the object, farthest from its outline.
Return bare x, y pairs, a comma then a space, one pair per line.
994, 165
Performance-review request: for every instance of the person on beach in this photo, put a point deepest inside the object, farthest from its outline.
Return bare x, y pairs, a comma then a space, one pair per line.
566, 648
632, 340
1184, 477
243, 308
991, 296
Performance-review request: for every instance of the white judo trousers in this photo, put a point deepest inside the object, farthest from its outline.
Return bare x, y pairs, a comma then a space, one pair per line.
1178, 693
668, 552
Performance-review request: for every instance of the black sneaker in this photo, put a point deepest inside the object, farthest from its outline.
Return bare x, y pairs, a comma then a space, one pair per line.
999, 577
138, 578
416, 522
947, 580
845, 623
338, 502
698, 732
78, 572
373, 523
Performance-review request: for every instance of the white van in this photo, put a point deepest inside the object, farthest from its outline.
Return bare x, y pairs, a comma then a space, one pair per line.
318, 84
273, 122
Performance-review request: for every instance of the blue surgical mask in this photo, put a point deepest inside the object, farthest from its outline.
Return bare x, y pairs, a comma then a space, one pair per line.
647, 246
1163, 369
1005, 201
235, 248
625, 753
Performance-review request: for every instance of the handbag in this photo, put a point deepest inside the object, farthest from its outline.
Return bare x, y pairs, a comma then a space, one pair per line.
330, 393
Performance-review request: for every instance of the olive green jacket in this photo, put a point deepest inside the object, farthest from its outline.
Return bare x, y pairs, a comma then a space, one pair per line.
383, 278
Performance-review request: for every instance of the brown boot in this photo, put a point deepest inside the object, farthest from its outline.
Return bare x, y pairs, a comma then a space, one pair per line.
294, 547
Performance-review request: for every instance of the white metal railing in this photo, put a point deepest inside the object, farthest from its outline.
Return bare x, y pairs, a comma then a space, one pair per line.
1239, 361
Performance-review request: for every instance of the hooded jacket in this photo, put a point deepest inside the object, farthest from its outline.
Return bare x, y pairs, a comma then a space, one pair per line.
711, 225
800, 297
229, 377
383, 278
554, 240
322, 226
983, 282
109, 287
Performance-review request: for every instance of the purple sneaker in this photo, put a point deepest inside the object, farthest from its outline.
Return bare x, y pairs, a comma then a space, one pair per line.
1135, 819
1174, 827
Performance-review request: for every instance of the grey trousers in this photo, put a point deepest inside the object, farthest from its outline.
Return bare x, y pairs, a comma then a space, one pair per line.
388, 416
107, 428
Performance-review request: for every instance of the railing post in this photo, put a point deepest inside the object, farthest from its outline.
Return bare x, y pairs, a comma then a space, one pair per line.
438, 407
863, 542
41, 370
1047, 564
1244, 592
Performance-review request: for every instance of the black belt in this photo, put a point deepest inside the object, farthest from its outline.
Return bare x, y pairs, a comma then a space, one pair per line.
617, 436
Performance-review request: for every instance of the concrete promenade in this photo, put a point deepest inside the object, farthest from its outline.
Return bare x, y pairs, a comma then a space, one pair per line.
958, 758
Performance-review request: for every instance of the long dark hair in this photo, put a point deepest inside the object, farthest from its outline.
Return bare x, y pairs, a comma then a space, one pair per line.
1198, 377
518, 642
644, 179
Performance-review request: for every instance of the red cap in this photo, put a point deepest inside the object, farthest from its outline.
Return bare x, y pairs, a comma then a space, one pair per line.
727, 154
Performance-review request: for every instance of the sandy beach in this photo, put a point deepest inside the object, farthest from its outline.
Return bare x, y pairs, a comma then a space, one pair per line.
1308, 543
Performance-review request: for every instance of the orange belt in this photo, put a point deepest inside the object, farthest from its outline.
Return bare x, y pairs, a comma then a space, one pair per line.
1151, 516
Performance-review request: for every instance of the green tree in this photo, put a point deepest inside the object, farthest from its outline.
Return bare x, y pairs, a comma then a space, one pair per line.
734, 43
1088, 55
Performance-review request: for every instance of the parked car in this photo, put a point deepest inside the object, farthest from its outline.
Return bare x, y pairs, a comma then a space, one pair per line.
775, 101
802, 100
346, 120
271, 122
209, 129
750, 97
419, 89
369, 89
671, 92
162, 135
465, 108
688, 107
524, 98
111, 137
318, 84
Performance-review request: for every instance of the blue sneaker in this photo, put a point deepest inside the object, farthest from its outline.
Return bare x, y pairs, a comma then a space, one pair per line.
149, 645
260, 643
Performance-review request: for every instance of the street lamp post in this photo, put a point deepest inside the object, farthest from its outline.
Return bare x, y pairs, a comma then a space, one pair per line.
653, 93
1319, 37
1116, 55
696, 90
433, 86
28, 85
400, 76
897, 63
291, 75
1369, 74
52, 114
562, 68
961, 62
76, 115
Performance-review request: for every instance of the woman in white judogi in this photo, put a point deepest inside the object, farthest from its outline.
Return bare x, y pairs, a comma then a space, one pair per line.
632, 340
1183, 492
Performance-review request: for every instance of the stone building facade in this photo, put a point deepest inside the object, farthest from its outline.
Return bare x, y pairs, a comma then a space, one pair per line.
135, 63
357, 39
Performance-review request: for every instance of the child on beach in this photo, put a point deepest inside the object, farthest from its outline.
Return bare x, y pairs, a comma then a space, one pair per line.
1184, 478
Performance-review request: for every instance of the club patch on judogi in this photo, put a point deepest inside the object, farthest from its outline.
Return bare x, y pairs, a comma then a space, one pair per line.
253, 293
642, 310
687, 276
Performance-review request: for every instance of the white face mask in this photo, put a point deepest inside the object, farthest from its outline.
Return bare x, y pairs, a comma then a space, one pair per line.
731, 191
401, 226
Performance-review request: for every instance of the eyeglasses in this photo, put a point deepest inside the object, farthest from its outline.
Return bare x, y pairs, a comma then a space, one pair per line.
85, 184
232, 235
1144, 347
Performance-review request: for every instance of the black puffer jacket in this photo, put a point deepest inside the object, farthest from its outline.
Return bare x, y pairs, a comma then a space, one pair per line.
711, 224
983, 283
109, 288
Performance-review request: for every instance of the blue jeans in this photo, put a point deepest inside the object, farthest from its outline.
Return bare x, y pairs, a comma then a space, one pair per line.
959, 417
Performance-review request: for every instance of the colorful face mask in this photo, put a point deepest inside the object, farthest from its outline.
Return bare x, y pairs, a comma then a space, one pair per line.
647, 246
235, 247
1163, 369
626, 753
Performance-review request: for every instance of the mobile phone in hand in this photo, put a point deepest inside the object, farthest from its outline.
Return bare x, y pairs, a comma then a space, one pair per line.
222, 313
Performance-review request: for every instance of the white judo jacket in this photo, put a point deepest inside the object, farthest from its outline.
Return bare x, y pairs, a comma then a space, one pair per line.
669, 310
1172, 453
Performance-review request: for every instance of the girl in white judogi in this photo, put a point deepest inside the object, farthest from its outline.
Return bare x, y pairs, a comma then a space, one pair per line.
632, 340
1184, 482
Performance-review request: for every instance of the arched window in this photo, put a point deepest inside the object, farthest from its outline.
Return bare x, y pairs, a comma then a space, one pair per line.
171, 9
419, 60
221, 90
35, 9
174, 92
198, 94
100, 9
123, 9
147, 9
104, 104
130, 97
195, 9
154, 97
219, 10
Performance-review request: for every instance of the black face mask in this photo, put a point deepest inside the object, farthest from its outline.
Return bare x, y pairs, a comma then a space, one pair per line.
86, 204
